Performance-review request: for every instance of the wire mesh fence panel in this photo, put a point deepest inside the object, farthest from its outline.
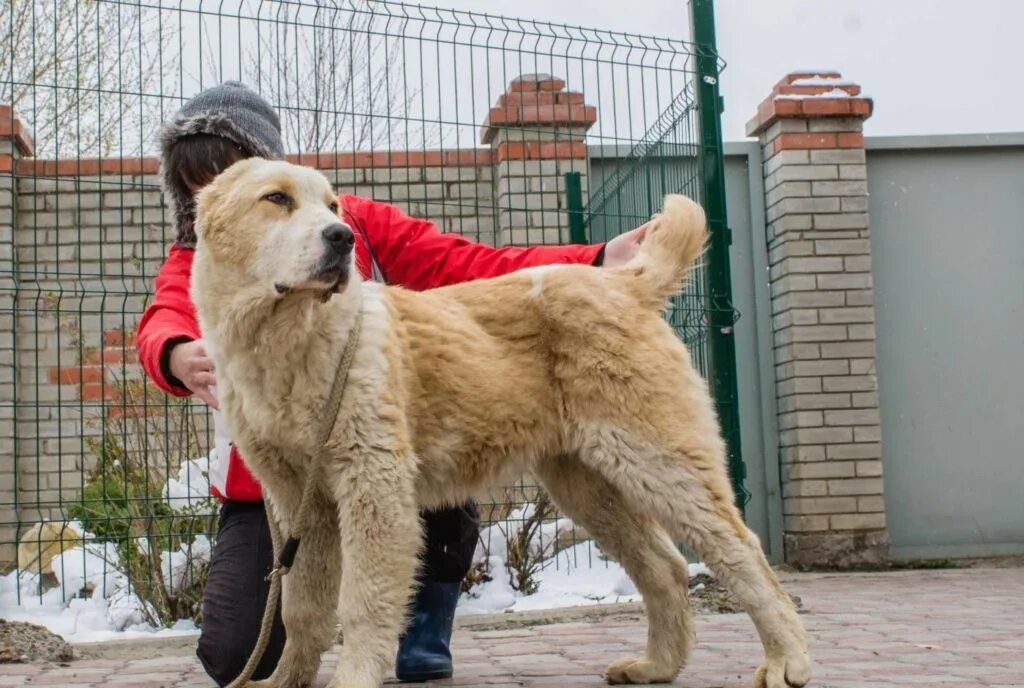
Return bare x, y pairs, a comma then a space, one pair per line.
629, 191
467, 120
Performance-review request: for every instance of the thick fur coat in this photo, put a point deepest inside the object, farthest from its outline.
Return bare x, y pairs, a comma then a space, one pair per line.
568, 372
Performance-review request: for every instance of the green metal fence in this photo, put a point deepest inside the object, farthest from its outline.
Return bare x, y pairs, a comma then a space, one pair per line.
388, 100
681, 152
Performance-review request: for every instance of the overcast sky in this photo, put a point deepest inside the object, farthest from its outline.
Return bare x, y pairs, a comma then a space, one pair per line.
932, 66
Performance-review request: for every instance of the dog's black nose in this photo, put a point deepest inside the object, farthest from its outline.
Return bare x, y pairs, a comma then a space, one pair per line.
339, 237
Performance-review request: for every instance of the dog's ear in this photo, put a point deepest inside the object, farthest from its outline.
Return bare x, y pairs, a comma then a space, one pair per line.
208, 208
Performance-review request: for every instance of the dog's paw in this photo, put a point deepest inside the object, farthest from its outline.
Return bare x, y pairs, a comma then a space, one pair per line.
342, 683
281, 679
348, 675
793, 671
638, 670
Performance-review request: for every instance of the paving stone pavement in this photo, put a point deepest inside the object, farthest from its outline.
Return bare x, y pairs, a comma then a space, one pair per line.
961, 628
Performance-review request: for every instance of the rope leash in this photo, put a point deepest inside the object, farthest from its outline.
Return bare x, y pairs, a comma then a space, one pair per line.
286, 553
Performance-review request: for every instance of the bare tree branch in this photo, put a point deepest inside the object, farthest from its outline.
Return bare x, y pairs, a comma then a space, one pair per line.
88, 76
337, 80
83, 74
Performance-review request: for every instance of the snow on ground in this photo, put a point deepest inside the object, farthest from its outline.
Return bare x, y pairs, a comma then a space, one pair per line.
176, 567
111, 610
575, 576
494, 539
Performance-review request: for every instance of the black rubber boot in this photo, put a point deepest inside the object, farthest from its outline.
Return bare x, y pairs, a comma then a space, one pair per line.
423, 652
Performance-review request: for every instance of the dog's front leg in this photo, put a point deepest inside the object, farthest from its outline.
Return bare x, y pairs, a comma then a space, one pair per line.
380, 543
308, 592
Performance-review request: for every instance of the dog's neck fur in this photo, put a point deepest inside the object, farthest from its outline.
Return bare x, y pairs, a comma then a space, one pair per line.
266, 330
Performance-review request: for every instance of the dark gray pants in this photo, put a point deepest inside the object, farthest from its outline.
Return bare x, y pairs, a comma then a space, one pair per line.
236, 588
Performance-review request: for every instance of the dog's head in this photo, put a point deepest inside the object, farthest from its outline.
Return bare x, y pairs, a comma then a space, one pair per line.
273, 229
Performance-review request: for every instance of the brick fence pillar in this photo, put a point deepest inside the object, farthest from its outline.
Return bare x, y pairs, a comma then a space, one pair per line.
537, 131
15, 143
823, 319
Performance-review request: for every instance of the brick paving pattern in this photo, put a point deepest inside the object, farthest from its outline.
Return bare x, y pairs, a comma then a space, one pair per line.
914, 629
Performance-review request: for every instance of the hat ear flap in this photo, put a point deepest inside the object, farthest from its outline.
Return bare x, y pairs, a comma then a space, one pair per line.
181, 204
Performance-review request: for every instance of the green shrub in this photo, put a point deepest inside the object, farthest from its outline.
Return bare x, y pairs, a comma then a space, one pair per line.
123, 502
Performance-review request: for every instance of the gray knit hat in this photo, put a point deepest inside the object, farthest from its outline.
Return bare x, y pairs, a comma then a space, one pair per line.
232, 111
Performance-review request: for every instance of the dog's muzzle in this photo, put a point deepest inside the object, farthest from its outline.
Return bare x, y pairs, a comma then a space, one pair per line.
339, 239
334, 265
331, 273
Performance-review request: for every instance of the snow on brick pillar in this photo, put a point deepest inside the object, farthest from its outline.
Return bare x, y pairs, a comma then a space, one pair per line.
15, 143
537, 131
823, 319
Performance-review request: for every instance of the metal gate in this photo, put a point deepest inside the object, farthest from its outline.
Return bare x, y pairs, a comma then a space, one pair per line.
388, 100
682, 152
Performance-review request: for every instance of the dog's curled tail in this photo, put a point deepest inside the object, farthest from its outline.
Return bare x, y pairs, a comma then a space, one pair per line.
672, 245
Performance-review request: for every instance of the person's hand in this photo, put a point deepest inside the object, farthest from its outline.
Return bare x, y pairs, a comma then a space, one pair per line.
622, 248
190, 364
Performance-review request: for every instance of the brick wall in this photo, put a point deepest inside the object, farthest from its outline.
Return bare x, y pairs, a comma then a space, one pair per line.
14, 143
537, 131
89, 235
80, 241
823, 319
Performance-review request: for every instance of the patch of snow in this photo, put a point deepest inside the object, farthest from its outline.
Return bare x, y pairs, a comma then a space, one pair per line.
495, 538
179, 566
126, 610
698, 568
185, 626
93, 567
834, 93
625, 586
822, 81
494, 595
190, 491
94, 600
576, 576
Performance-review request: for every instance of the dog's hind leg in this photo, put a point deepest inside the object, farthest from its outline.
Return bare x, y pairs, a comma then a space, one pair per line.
682, 482
380, 542
647, 553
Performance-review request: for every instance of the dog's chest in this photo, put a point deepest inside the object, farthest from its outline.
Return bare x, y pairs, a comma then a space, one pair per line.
273, 412
284, 403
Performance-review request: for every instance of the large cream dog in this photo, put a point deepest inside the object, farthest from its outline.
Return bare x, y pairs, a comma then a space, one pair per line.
569, 372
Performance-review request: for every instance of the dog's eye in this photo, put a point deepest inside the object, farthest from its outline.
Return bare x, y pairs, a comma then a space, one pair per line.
334, 207
277, 198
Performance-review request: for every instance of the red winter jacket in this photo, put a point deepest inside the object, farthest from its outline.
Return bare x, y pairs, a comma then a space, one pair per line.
407, 252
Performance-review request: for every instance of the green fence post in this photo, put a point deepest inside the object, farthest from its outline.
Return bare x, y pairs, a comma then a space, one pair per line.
722, 344
574, 207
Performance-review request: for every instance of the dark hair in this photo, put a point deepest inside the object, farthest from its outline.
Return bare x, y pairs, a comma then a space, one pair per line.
195, 160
